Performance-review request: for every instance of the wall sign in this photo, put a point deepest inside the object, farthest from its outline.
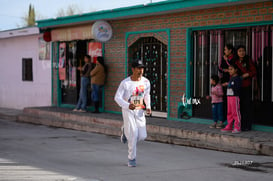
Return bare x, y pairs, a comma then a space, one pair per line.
102, 31
94, 50
62, 55
44, 49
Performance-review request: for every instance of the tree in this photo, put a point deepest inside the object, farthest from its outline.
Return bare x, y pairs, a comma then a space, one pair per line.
29, 18
69, 11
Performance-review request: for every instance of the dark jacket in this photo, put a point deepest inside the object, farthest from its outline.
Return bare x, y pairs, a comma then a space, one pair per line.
243, 69
86, 69
234, 86
224, 65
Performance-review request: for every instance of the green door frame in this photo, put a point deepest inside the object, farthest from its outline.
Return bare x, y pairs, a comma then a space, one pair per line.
59, 91
168, 32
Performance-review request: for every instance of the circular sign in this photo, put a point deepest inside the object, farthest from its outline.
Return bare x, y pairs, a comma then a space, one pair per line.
102, 31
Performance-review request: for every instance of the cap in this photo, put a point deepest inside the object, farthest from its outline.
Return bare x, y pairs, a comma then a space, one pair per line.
138, 64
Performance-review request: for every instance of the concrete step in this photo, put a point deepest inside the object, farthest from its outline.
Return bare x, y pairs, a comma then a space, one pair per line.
69, 124
74, 116
159, 131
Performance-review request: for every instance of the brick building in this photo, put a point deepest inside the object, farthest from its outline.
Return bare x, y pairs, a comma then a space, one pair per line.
181, 43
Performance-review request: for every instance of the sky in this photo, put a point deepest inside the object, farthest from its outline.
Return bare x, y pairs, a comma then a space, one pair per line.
12, 11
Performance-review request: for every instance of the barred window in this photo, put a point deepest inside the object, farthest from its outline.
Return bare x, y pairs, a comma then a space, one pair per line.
207, 52
208, 48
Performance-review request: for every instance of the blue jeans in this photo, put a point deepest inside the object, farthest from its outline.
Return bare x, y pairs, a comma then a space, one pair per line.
95, 95
82, 102
217, 112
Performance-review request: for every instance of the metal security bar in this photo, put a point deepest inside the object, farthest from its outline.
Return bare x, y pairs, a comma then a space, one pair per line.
195, 63
262, 57
259, 45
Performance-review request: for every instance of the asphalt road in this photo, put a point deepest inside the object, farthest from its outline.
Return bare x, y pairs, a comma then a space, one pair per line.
32, 152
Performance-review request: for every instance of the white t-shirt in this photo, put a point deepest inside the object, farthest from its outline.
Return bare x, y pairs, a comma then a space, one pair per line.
136, 92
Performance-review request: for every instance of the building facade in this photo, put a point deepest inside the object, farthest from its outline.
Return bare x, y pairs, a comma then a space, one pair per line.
181, 43
25, 73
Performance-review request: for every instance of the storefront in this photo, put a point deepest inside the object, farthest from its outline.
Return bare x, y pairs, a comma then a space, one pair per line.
70, 45
181, 43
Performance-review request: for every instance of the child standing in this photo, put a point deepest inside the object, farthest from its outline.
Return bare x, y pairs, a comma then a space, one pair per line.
233, 101
217, 102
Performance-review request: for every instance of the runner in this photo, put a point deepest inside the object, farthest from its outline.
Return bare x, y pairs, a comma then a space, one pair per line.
131, 95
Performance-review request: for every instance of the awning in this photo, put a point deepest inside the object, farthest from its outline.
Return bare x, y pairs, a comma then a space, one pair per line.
72, 33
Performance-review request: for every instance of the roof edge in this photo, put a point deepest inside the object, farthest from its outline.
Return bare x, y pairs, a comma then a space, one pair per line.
139, 11
25, 31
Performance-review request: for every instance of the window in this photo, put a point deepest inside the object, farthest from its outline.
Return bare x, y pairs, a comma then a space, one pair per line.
207, 52
27, 74
208, 48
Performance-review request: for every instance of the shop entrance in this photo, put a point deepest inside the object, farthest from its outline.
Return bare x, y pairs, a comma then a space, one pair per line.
153, 53
71, 56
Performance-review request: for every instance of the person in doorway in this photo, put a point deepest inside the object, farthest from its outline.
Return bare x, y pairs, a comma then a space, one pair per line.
233, 101
98, 75
227, 59
131, 95
248, 71
217, 102
85, 80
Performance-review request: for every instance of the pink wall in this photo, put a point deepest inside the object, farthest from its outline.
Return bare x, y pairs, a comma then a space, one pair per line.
15, 93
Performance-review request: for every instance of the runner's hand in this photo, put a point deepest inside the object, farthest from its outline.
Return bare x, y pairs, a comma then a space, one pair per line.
149, 111
132, 106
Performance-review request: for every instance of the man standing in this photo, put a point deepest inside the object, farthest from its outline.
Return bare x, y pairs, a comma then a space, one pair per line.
131, 95
85, 80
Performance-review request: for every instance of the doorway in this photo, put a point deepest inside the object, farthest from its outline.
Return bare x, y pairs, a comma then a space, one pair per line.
71, 56
154, 55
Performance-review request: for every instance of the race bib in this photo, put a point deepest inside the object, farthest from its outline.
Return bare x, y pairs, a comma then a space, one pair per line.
137, 98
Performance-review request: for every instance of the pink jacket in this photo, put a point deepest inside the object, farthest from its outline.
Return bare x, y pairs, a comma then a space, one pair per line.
217, 94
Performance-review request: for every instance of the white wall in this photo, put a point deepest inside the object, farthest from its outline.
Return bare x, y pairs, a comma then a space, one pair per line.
15, 93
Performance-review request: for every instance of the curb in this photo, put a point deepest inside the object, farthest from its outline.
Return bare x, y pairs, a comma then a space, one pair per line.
179, 136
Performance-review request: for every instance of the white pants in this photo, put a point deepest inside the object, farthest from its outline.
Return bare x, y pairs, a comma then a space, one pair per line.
134, 129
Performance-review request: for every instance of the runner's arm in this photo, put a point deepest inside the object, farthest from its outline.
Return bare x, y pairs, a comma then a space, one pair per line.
147, 96
119, 97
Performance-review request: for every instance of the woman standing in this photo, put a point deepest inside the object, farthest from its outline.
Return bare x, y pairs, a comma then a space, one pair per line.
248, 71
227, 60
98, 75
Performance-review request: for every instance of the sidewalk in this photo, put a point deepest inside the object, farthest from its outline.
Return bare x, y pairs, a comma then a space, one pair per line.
160, 130
9, 114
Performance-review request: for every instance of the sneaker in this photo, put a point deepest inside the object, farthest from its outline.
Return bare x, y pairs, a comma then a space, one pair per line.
75, 110
220, 125
132, 163
226, 130
123, 138
235, 131
82, 110
213, 125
